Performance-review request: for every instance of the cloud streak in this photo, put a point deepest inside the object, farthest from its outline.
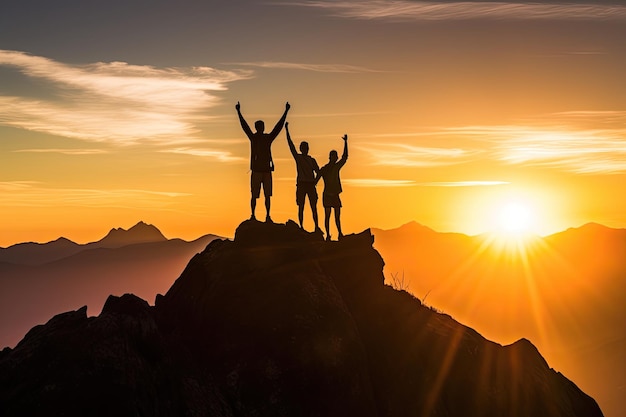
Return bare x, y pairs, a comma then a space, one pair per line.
64, 151
385, 183
466, 10
579, 142
581, 152
402, 154
462, 183
221, 156
377, 182
114, 102
35, 194
575, 150
331, 68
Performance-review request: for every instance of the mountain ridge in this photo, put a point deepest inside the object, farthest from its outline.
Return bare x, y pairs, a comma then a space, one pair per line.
566, 291
33, 253
139, 233
47, 283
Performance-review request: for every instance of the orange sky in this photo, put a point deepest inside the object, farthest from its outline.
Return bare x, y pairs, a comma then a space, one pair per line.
452, 112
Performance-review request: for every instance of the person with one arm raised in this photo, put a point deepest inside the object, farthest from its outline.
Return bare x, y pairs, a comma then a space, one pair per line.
261, 163
307, 170
332, 187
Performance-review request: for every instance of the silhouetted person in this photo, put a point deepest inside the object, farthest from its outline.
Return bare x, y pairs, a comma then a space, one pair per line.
261, 163
308, 170
332, 187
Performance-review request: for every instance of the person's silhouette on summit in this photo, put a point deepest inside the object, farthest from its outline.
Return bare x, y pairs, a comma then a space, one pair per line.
307, 169
261, 163
332, 187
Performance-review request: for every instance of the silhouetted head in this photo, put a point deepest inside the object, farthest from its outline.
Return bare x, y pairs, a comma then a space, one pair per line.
259, 126
304, 147
332, 156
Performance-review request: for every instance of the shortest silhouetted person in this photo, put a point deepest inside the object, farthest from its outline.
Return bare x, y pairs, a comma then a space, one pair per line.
332, 187
261, 163
308, 170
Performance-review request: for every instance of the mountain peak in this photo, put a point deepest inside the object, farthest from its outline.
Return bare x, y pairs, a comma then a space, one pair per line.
139, 233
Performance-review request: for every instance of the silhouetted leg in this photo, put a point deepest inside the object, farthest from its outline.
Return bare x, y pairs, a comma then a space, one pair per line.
338, 221
327, 221
267, 209
313, 204
253, 207
301, 214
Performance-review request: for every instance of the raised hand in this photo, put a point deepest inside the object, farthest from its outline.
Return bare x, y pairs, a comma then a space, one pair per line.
238, 106
345, 137
287, 106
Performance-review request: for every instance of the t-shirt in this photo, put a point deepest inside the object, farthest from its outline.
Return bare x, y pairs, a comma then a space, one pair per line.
330, 174
306, 166
260, 152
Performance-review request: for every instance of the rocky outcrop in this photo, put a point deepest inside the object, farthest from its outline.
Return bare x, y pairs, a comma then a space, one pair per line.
278, 322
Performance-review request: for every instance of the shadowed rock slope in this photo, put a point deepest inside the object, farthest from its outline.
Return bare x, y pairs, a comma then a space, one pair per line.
277, 322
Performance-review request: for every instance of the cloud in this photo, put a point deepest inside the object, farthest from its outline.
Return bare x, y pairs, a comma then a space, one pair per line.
333, 68
462, 183
114, 102
35, 194
466, 10
401, 154
559, 144
222, 156
579, 142
16, 185
582, 152
65, 151
376, 182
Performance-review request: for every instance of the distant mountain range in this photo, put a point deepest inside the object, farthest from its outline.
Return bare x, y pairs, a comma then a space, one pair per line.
565, 292
40, 280
40, 253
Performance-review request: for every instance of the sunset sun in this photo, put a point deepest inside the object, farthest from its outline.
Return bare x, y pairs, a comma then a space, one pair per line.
514, 218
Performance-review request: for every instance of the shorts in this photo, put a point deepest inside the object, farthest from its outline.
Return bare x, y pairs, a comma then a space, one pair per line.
256, 179
331, 200
304, 189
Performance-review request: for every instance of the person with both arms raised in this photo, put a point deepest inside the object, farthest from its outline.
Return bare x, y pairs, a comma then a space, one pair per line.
261, 163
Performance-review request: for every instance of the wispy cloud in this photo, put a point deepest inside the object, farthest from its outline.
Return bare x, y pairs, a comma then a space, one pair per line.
583, 152
114, 102
377, 182
465, 10
561, 146
222, 156
9, 186
64, 151
35, 194
333, 68
401, 154
462, 183
580, 142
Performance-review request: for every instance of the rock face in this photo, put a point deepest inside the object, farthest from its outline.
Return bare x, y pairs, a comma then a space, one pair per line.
278, 322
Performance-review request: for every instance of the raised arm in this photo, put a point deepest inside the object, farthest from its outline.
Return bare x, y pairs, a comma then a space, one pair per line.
244, 124
280, 123
292, 148
344, 156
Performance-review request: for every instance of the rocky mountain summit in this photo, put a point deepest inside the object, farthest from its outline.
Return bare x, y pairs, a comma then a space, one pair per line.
278, 322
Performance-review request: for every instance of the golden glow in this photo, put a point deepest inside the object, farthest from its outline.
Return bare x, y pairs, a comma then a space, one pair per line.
515, 217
